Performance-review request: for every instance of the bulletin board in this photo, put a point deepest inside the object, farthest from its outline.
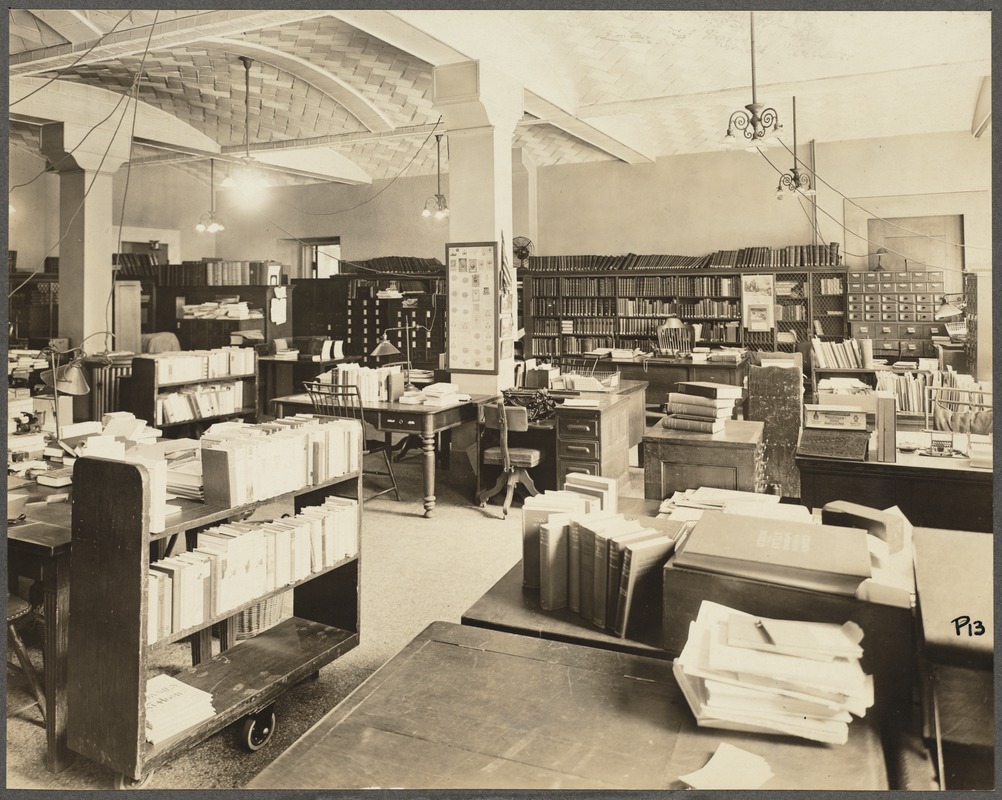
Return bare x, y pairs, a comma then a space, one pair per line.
472, 312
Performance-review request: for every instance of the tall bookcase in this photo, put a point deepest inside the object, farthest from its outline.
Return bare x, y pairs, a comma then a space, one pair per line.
572, 312
347, 307
109, 654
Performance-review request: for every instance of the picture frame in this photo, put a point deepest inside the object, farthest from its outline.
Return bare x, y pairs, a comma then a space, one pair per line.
472, 307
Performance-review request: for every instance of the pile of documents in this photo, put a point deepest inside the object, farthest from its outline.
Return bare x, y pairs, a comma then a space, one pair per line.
173, 706
689, 505
747, 673
441, 394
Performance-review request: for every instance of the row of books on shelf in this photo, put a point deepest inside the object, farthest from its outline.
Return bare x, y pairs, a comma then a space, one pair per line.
222, 272
643, 307
586, 556
236, 562
911, 389
136, 265
408, 264
609, 263
245, 463
678, 285
847, 354
228, 308
195, 365
792, 255
588, 326
201, 402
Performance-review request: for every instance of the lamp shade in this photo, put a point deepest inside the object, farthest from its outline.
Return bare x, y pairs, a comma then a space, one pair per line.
947, 309
68, 379
384, 348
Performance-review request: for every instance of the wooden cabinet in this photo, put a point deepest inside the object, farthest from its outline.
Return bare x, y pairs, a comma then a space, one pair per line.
33, 307
897, 310
663, 374
109, 655
144, 389
202, 334
594, 440
678, 460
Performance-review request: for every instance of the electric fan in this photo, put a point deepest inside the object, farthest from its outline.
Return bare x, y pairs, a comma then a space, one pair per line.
522, 248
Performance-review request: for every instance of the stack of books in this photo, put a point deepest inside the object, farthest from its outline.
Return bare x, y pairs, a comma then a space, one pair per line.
374, 383
784, 677
586, 556
441, 394
173, 706
701, 406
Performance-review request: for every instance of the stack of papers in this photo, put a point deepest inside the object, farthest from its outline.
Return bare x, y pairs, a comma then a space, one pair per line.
690, 504
173, 706
441, 394
747, 673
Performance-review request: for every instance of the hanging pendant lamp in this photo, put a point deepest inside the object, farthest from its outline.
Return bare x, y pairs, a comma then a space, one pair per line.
436, 204
248, 175
210, 223
794, 180
755, 122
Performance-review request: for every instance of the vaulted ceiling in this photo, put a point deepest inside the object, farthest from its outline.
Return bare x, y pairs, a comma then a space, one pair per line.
348, 94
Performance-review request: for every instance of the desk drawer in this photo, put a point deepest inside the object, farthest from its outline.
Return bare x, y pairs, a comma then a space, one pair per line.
577, 448
565, 466
395, 422
578, 426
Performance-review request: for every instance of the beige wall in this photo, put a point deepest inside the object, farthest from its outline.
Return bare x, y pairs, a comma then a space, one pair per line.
33, 228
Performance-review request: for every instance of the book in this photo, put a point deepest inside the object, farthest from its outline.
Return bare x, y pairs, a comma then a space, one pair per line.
607, 487
826, 558
600, 570
694, 411
535, 511
710, 389
553, 537
574, 557
699, 400
674, 422
586, 567
55, 478
640, 581
617, 544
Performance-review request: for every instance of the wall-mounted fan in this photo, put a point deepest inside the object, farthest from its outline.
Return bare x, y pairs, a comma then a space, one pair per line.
522, 248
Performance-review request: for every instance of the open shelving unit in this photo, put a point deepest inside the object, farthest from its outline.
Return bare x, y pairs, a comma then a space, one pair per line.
109, 655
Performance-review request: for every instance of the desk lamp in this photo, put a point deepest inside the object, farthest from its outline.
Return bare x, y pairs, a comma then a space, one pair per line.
947, 309
387, 348
67, 378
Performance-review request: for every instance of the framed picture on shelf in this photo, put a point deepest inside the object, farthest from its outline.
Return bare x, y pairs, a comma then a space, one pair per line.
473, 307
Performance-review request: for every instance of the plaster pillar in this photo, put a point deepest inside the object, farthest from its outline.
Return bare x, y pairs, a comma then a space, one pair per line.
86, 169
480, 110
525, 210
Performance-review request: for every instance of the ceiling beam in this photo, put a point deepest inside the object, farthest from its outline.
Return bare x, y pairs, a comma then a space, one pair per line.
387, 27
172, 33
982, 108
547, 112
71, 25
326, 82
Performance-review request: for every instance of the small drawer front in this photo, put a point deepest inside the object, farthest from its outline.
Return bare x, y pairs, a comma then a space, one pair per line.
918, 275
871, 316
934, 286
855, 286
854, 316
907, 297
854, 298
923, 308
906, 316
886, 345
855, 276
937, 329
886, 331
903, 287
885, 307
854, 307
392, 422
715, 376
913, 331
871, 307
922, 297
864, 331
585, 427
924, 316
906, 308
565, 466
575, 448
871, 298
934, 275
920, 286
910, 348
888, 316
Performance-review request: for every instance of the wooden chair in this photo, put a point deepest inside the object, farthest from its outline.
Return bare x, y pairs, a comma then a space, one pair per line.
576, 365
514, 461
345, 401
18, 609
676, 337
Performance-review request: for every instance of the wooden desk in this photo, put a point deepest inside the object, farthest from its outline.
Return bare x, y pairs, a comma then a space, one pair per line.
40, 549
932, 492
423, 421
463, 708
679, 460
281, 376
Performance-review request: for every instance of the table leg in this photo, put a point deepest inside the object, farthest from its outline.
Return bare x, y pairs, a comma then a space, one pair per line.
445, 449
56, 589
428, 450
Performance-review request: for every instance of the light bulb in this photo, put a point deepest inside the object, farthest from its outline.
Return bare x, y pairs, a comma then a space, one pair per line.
730, 139
440, 214
426, 212
200, 227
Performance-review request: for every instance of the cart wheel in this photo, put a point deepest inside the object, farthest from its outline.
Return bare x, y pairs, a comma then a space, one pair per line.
125, 782
257, 730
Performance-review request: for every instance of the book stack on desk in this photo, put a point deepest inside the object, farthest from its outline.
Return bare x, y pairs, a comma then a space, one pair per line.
743, 672
701, 406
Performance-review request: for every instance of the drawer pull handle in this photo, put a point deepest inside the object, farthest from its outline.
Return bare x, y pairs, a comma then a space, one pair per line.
577, 448
583, 428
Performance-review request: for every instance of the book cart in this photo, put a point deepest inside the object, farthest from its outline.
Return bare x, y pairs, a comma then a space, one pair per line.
109, 654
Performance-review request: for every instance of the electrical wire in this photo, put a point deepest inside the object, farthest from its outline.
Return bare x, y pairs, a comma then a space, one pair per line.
875, 216
128, 167
864, 238
76, 213
82, 56
369, 200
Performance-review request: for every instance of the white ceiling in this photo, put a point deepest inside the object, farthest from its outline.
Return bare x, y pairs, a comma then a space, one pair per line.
598, 84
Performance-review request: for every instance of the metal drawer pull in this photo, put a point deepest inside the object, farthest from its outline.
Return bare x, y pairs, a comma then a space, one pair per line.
584, 428
577, 448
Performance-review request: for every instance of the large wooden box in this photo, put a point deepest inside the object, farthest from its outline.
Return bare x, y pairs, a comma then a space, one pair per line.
678, 460
888, 631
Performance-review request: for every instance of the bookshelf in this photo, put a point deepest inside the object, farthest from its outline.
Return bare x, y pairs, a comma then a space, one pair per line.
34, 308
108, 642
206, 333
570, 312
346, 307
146, 389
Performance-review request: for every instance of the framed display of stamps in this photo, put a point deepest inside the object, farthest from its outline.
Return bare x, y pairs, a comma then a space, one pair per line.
472, 310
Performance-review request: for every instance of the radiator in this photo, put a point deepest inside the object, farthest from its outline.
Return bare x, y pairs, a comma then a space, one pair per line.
106, 388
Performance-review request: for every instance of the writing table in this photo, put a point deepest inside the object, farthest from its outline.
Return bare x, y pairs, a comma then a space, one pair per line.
421, 420
39, 549
931, 492
462, 707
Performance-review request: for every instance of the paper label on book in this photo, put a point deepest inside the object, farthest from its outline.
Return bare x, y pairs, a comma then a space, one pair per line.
837, 418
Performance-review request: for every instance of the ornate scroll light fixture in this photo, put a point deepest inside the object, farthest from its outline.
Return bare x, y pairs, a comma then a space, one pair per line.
249, 175
210, 223
758, 123
795, 180
436, 204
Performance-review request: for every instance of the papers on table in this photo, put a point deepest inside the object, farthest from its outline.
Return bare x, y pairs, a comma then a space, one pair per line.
730, 767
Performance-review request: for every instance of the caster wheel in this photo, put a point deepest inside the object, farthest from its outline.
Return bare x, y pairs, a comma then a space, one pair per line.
125, 782
483, 505
257, 730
